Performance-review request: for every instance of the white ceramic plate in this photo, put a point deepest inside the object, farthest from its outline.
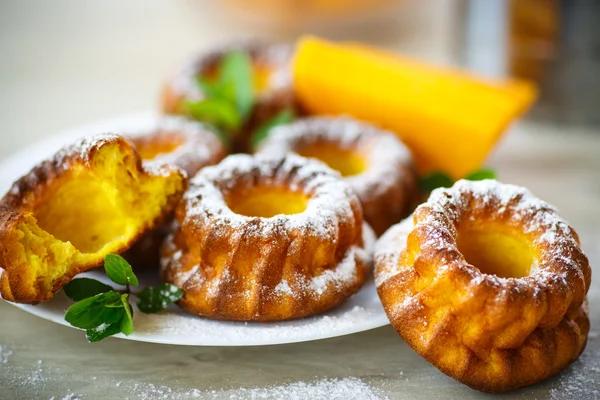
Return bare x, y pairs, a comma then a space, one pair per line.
173, 326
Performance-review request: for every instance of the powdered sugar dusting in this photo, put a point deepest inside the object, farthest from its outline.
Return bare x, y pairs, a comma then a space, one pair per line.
199, 146
389, 161
283, 288
343, 273
329, 196
446, 207
87, 145
85, 148
517, 206
330, 204
388, 249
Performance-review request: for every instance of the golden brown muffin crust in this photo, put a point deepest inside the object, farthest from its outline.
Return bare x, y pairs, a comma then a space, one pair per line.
385, 179
492, 333
68, 212
281, 266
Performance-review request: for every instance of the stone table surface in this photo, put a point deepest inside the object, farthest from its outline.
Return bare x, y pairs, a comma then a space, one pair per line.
65, 63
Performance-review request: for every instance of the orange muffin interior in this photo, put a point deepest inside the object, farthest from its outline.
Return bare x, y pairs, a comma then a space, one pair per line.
495, 250
347, 162
82, 216
266, 202
159, 145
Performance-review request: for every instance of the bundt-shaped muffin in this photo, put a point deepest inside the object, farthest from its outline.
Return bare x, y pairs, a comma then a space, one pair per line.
376, 165
272, 84
267, 238
488, 284
62, 218
180, 142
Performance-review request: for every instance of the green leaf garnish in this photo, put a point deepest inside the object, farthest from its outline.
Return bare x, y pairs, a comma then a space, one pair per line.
127, 320
119, 270
102, 331
283, 117
82, 288
216, 111
236, 70
216, 89
103, 311
91, 312
481, 174
440, 179
228, 97
156, 299
435, 180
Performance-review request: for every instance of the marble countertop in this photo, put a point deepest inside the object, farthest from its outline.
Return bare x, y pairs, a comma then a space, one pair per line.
65, 63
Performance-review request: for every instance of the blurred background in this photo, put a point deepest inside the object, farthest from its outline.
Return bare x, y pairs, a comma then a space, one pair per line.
69, 62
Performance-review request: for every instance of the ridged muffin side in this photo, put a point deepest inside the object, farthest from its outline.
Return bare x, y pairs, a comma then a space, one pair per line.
237, 267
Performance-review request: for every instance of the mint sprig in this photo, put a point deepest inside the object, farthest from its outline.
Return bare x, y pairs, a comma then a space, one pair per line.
228, 97
439, 179
104, 311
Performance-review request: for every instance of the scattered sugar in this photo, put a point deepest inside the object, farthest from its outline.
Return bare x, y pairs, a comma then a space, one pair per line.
326, 389
582, 379
349, 388
205, 330
5, 354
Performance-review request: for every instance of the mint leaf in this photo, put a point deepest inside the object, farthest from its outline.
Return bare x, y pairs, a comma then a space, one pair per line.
435, 180
112, 315
215, 89
82, 288
127, 320
481, 174
283, 117
156, 299
119, 270
91, 312
236, 70
216, 111
102, 331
